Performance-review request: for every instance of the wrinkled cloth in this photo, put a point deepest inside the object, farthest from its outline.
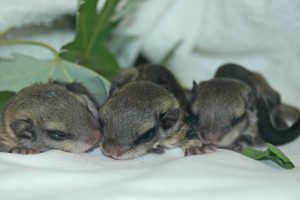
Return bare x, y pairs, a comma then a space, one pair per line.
262, 35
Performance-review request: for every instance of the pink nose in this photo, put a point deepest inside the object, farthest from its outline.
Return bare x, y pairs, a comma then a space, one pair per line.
88, 144
112, 150
214, 136
86, 147
90, 141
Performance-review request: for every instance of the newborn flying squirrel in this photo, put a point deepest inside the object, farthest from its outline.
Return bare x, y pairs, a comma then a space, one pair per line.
144, 117
281, 114
55, 115
144, 113
233, 110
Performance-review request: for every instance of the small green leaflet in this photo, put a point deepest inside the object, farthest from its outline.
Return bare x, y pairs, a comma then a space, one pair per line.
4, 96
272, 153
23, 71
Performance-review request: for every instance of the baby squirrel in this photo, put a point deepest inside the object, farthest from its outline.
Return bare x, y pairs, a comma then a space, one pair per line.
55, 115
281, 114
143, 117
233, 110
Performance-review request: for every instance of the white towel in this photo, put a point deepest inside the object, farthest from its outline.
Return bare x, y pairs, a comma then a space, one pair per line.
262, 35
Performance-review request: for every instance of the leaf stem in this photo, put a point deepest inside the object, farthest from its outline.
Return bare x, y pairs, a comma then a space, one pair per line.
51, 70
30, 42
52, 49
65, 71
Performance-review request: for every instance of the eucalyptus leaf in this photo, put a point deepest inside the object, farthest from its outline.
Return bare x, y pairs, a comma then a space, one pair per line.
272, 153
4, 97
92, 30
24, 70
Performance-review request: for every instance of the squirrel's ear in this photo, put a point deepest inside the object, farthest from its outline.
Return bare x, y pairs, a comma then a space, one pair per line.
78, 89
118, 81
169, 118
194, 86
21, 128
84, 96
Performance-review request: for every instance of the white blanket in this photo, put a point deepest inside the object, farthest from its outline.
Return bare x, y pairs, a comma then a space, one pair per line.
263, 35
220, 175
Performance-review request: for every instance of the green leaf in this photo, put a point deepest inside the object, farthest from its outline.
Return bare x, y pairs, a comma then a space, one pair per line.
23, 71
104, 64
278, 156
92, 30
255, 154
4, 96
272, 153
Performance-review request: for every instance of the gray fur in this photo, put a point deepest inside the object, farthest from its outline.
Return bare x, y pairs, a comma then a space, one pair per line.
44, 107
136, 108
157, 74
217, 103
281, 114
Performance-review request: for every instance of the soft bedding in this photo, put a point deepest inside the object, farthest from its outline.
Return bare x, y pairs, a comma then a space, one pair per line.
262, 35
220, 175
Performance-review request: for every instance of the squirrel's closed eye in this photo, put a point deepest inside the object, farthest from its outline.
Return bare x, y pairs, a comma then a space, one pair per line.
239, 119
146, 137
58, 135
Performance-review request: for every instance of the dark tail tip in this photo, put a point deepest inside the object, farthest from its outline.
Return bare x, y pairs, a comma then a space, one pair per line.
268, 132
